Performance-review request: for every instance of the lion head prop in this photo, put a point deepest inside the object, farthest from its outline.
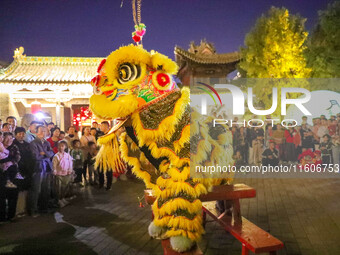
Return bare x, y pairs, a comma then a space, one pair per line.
129, 79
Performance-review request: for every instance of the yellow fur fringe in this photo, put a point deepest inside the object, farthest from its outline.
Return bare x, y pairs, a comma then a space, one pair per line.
181, 222
160, 60
177, 175
168, 187
108, 157
135, 163
194, 236
164, 166
173, 205
166, 152
185, 138
181, 225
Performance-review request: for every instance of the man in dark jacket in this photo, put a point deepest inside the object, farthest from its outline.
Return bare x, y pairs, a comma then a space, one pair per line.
270, 156
26, 163
41, 178
26, 166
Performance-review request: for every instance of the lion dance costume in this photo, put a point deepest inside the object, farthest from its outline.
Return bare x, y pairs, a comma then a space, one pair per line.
136, 88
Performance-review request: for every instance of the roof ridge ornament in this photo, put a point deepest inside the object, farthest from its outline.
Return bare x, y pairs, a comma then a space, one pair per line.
204, 48
18, 53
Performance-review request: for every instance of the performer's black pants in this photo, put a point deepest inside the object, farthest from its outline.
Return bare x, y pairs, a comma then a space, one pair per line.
109, 175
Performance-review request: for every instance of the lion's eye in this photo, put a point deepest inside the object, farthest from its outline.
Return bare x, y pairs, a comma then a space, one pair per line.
128, 72
123, 74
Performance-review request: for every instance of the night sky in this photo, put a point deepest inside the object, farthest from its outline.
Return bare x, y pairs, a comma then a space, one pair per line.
93, 28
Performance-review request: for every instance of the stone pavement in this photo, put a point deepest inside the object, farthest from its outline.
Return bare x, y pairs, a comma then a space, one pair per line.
304, 214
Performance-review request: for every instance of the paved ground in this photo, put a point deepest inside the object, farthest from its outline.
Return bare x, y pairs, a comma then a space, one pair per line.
304, 214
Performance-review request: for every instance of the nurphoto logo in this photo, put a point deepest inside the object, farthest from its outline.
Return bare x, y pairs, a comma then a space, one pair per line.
238, 107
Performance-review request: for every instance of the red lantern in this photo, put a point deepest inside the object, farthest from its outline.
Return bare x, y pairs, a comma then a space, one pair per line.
35, 107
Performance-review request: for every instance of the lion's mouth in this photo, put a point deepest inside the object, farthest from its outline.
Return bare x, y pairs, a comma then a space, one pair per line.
114, 94
110, 94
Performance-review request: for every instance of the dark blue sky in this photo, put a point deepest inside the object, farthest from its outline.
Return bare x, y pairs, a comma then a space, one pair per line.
93, 28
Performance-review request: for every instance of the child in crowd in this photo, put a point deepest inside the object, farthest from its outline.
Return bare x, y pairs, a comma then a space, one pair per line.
78, 160
238, 159
93, 173
62, 170
326, 149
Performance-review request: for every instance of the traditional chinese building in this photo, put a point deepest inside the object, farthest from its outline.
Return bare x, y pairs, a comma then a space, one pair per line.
60, 86
201, 63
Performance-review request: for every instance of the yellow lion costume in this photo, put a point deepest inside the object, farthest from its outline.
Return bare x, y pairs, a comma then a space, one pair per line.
136, 88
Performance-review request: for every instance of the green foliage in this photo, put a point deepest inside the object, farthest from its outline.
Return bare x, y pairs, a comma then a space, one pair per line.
323, 54
274, 48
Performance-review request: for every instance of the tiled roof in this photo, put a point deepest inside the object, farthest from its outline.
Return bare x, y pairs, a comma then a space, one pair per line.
215, 58
51, 70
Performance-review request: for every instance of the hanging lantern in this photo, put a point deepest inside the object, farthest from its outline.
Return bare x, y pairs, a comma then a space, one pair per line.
35, 107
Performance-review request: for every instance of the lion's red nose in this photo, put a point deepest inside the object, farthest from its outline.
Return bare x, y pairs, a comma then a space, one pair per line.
163, 79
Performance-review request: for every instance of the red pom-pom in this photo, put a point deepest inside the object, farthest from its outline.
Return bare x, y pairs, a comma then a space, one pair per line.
101, 65
163, 79
136, 38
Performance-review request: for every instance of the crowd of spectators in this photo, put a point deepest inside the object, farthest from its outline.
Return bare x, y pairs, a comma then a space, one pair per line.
42, 168
279, 145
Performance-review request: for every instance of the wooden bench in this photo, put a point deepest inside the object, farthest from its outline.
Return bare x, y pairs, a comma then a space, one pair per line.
251, 236
229, 194
232, 193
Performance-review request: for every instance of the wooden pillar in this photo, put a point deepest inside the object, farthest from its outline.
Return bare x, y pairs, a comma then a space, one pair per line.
57, 115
